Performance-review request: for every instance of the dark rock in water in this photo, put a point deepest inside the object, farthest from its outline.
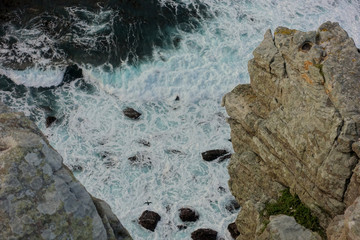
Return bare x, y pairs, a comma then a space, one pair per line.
204, 234
232, 206
144, 142
140, 159
188, 215
181, 227
224, 157
221, 189
213, 154
177, 98
50, 120
76, 168
233, 230
131, 113
149, 220
72, 73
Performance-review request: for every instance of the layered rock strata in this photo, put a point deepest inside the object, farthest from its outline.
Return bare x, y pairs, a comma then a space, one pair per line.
39, 196
297, 125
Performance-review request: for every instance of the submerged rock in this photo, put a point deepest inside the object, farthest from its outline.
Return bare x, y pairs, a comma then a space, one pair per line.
204, 234
213, 154
149, 220
232, 206
131, 113
295, 125
188, 215
39, 196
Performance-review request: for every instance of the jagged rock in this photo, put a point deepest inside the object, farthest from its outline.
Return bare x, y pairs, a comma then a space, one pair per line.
188, 215
181, 227
296, 123
131, 113
233, 230
204, 234
282, 227
39, 196
149, 220
346, 226
213, 154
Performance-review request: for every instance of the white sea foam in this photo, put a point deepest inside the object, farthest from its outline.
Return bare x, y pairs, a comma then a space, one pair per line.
94, 133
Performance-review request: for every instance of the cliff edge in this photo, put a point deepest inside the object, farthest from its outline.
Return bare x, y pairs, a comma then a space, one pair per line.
296, 126
39, 196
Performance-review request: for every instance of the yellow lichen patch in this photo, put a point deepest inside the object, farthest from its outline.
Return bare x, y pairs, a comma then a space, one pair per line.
353, 59
285, 31
324, 30
307, 78
307, 64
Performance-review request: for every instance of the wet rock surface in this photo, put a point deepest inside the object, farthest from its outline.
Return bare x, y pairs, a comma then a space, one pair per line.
233, 230
39, 196
204, 234
188, 215
149, 220
296, 125
131, 113
213, 154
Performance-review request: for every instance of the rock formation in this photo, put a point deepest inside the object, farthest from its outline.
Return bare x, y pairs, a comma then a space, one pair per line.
39, 196
297, 125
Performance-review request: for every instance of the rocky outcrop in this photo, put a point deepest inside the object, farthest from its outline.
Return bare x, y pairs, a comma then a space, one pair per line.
282, 227
39, 196
297, 125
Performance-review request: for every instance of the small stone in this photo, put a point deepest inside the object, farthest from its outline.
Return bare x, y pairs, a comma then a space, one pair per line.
181, 227
50, 120
204, 234
188, 215
232, 206
77, 168
233, 230
149, 220
131, 113
177, 98
213, 154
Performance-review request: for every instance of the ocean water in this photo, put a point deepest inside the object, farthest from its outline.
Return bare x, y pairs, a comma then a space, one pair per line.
198, 58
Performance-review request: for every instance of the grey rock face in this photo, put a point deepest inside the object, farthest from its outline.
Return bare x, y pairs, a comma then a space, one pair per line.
296, 124
282, 227
39, 196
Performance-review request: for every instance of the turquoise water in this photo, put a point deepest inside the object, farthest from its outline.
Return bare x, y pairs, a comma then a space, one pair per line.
206, 63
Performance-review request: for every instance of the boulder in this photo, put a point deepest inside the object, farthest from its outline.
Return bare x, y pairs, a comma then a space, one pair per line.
39, 195
296, 124
282, 227
204, 234
50, 120
233, 230
149, 220
346, 226
232, 206
213, 154
131, 113
188, 215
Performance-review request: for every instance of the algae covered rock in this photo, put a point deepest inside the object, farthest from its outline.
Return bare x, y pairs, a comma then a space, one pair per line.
296, 125
39, 196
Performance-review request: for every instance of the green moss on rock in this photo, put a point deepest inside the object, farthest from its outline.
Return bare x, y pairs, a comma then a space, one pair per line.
292, 206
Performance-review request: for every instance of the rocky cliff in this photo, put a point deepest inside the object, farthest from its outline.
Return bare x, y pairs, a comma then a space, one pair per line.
39, 196
297, 126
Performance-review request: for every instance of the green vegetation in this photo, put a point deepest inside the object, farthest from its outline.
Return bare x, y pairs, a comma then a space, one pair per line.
320, 67
290, 205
